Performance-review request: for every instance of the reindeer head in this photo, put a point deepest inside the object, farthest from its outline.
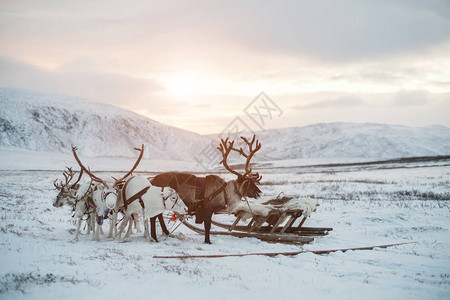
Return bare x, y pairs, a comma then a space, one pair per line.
172, 201
247, 182
66, 189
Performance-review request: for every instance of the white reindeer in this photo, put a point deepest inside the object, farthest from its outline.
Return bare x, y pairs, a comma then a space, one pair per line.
105, 195
84, 206
75, 195
66, 189
139, 197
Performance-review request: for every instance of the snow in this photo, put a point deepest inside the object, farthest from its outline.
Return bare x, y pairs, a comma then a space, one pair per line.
365, 206
52, 123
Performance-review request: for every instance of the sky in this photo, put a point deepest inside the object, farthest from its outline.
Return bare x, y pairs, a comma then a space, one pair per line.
203, 65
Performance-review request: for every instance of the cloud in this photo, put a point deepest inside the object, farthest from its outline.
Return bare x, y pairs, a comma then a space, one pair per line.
114, 89
329, 30
410, 98
341, 102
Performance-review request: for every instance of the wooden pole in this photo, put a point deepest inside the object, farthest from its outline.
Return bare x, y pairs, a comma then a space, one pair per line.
284, 253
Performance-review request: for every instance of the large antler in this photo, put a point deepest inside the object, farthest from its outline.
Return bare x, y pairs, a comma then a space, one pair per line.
225, 148
68, 175
252, 151
79, 177
83, 168
120, 181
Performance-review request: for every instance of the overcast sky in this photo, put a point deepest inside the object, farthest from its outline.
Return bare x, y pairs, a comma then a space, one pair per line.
198, 64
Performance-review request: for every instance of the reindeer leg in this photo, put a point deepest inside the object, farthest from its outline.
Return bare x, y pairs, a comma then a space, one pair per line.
97, 232
88, 223
130, 227
92, 224
207, 225
97, 226
122, 227
146, 231
162, 224
78, 229
116, 214
153, 228
112, 225
137, 225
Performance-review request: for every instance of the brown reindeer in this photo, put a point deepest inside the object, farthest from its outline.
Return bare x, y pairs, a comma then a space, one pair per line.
207, 195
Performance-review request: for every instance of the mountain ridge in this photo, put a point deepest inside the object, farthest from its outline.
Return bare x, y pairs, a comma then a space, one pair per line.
48, 122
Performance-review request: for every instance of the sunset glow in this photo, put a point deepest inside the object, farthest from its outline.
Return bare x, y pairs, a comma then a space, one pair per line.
197, 67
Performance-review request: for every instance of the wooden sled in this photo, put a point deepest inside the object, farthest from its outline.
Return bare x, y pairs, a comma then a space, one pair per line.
272, 222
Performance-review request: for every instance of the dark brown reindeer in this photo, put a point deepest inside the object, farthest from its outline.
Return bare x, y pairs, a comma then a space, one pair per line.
207, 195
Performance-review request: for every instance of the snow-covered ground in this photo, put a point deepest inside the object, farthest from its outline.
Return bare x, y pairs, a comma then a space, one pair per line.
389, 204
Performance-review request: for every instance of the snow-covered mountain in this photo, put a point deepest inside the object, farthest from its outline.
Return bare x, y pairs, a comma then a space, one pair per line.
52, 123
351, 140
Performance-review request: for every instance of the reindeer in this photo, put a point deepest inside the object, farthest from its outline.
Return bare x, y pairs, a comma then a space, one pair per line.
139, 197
105, 194
66, 190
207, 195
75, 195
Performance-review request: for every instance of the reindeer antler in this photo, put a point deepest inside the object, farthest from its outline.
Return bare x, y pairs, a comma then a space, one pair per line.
79, 177
225, 148
68, 176
248, 170
93, 177
119, 181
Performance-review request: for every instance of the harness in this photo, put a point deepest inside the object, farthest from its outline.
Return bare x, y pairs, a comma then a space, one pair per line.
137, 196
165, 199
200, 202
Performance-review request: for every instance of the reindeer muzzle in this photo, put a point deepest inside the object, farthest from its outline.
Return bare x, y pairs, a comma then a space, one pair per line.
102, 217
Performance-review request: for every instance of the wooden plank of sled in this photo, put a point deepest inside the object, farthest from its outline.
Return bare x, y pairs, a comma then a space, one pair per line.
257, 224
235, 223
267, 229
316, 229
260, 223
267, 237
301, 222
278, 222
288, 224
249, 225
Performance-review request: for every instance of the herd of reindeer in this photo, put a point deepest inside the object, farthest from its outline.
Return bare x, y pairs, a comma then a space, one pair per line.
135, 197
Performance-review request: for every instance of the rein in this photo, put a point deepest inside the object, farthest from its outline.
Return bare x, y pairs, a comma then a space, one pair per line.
165, 199
238, 191
217, 192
